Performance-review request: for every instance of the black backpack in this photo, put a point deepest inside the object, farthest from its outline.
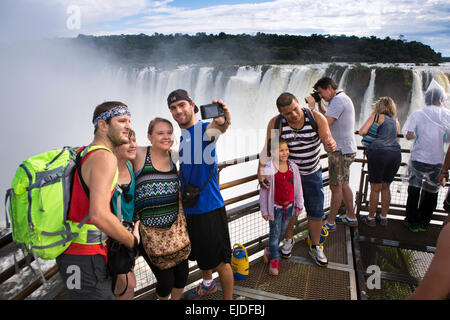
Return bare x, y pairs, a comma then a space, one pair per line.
308, 114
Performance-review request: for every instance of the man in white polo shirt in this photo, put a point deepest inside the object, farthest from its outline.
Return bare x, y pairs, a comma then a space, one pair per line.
340, 115
429, 127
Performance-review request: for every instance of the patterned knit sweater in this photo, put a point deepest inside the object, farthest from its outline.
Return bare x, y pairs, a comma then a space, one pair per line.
156, 195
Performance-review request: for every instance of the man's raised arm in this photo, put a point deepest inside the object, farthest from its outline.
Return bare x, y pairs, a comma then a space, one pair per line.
329, 144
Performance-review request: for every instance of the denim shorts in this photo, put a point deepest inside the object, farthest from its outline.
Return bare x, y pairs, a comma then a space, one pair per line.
383, 165
313, 196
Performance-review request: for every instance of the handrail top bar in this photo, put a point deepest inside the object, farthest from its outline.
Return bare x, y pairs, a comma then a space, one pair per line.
244, 159
400, 135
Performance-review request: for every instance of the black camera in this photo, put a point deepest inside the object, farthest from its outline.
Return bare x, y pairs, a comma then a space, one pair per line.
316, 97
212, 110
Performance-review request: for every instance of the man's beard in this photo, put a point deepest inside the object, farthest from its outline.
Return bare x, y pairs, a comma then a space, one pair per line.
116, 138
186, 121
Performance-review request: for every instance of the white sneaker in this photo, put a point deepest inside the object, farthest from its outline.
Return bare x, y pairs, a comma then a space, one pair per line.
318, 255
286, 249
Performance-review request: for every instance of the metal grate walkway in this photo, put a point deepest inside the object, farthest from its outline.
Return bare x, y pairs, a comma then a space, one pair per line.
300, 278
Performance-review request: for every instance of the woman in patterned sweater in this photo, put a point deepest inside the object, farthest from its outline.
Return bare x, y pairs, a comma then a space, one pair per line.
157, 201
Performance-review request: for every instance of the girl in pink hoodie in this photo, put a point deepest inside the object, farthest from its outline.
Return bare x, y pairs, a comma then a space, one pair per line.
281, 201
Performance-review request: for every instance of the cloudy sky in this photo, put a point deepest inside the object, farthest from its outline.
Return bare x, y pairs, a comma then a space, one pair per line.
427, 21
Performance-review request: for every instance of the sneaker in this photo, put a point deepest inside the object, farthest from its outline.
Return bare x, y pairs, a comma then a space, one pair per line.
331, 227
369, 222
286, 249
422, 228
266, 256
274, 268
318, 255
201, 290
350, 222
410, 227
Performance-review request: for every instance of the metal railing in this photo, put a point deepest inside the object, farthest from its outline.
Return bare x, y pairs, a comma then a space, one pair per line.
404, 243
245, 224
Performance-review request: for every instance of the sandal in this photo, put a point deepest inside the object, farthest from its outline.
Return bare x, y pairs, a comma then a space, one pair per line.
369, 222
383, 221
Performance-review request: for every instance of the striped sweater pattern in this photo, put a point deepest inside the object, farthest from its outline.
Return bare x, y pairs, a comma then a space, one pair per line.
156, 195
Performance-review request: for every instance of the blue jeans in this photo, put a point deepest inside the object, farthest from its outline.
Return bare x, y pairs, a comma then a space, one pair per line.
312, 185
277, 229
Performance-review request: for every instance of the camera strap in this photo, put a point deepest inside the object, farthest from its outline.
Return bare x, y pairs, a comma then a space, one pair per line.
207, 181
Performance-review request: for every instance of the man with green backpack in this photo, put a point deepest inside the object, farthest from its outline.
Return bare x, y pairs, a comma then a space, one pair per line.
99, 173
59, 205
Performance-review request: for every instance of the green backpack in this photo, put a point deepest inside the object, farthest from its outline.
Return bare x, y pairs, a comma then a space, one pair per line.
39, 201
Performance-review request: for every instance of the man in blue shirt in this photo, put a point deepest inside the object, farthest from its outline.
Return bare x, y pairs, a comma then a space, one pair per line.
206, 217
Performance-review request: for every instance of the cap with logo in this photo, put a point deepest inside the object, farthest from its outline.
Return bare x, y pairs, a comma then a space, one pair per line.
178, 95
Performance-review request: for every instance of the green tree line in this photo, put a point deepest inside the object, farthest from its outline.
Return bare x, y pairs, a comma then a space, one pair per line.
258, 49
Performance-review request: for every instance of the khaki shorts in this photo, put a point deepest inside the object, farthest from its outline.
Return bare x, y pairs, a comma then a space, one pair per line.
339, 166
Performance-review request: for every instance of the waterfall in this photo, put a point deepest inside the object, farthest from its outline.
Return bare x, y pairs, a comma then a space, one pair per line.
366, 106
203, 90
443, 81
63, 101
242, 91
303, 80
343, 78
417, 99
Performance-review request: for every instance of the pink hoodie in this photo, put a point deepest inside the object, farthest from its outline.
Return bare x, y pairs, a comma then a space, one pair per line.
266, 197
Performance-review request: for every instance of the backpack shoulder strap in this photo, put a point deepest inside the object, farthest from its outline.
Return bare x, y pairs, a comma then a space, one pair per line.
311, 118
81, 155
78, 160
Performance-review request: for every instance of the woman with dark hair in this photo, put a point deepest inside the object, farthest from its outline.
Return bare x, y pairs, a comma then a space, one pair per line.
122, 205
383, 157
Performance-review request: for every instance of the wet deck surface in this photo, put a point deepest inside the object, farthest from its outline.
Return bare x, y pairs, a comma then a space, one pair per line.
300, 278
403, 257
397, 232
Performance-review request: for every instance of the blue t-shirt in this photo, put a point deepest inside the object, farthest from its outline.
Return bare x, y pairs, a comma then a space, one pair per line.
197, 160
